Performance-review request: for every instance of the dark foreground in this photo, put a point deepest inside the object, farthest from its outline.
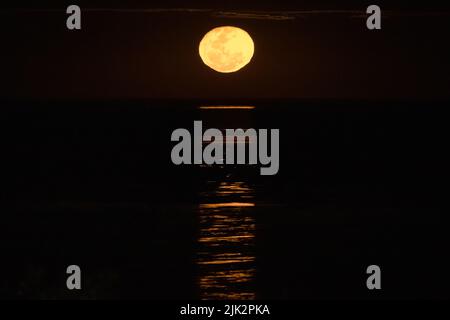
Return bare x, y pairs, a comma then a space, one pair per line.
93, 185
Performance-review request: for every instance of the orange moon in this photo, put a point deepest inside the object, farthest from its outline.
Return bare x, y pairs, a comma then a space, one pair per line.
226, 49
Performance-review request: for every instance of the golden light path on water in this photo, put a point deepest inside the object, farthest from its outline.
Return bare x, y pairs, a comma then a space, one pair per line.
227, 107
226, 204
226, 256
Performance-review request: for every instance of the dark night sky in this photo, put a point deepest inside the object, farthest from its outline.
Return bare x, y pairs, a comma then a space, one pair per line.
139, 54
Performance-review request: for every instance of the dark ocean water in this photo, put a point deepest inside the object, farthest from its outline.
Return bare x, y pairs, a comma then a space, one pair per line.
93, 184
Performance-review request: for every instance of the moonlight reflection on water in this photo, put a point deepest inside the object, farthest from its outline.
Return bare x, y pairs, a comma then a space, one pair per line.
226, 241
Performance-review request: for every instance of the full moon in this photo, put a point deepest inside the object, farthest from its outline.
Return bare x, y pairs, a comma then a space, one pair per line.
226, 49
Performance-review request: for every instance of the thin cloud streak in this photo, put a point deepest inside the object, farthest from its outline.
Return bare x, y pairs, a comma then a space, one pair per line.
255, 15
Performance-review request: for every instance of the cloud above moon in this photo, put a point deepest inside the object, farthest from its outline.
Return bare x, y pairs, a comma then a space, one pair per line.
284, 15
